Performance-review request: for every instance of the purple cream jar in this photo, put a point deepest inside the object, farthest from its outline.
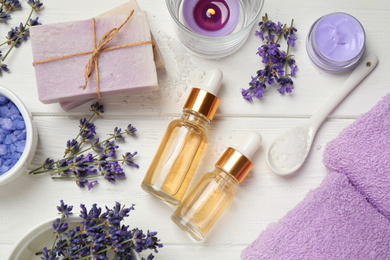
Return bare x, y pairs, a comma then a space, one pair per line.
336, 42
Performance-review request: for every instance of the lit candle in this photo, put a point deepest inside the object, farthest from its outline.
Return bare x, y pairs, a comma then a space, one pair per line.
211, 17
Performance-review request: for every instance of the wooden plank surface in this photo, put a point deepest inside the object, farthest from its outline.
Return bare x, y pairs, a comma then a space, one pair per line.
264, 197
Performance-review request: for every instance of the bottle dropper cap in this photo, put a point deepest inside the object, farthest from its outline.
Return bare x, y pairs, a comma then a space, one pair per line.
204, 100
213, 81
237, 162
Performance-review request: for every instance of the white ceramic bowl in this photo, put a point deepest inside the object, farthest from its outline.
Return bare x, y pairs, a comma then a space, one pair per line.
36, 239
31, 139
41, 236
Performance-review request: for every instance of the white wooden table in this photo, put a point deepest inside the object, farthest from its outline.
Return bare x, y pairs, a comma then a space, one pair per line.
263, 197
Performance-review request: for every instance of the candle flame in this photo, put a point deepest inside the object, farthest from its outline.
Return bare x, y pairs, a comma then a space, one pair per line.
211, 11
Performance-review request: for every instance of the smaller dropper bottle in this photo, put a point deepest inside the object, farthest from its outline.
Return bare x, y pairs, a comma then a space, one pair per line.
184, 141
204, 204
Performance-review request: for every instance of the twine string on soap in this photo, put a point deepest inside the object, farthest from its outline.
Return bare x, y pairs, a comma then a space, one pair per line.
92, 64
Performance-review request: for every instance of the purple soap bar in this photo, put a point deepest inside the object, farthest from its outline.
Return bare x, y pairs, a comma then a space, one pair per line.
121, 10
121, 71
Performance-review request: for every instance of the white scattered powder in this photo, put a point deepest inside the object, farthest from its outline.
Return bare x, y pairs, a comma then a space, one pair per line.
181, 74
291, 148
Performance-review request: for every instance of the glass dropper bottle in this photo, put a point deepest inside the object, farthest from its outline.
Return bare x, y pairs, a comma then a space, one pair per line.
183, 143
204, 204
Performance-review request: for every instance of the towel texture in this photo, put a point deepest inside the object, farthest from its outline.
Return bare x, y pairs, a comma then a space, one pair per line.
362, 152
348, 216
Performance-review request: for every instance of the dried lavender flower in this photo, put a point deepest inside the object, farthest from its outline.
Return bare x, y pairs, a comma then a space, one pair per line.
277, 62
18, 34
36, 5
6, 7
4, 17
34, 22
130, 130
10, 5
64, 209
97, 108
81, 165
98, 233
3, 67
128, 159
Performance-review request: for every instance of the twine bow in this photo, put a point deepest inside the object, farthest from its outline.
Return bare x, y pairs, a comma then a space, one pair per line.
97, 49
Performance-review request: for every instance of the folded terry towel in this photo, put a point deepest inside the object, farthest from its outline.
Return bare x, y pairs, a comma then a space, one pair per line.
362, 153
348, 216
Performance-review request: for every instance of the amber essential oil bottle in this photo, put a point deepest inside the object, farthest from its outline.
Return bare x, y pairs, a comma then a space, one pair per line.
204, 204
183, 144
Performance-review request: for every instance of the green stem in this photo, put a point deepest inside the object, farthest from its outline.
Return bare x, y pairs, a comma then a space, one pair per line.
288, 50
280, 34
36, 171
71, 177
82, 129
131, 241
62, 169
76, 235
89, 148
55, 240
105, 250
39, 172
5, 42
69, 167
20, 34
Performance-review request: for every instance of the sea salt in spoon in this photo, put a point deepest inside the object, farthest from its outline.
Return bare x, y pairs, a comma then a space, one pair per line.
288, 151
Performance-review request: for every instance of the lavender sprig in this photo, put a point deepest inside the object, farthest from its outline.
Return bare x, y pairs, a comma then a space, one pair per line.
6, 7
3, 67
277, 62
18, 34
84, 167
98, 233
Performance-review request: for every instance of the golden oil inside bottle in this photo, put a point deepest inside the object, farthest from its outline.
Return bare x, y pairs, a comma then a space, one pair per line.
175, 161
205, 203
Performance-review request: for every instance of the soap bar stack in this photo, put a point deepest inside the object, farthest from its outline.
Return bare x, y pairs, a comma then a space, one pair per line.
121, 71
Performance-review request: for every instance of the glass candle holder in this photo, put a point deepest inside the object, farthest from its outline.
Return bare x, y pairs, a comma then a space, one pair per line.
214, 28
336, 42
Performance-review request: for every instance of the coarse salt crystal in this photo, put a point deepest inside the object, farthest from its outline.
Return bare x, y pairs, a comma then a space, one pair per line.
3, 149
291, 148
12, 135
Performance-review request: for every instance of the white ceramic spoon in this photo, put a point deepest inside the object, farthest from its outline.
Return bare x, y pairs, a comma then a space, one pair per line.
289, 150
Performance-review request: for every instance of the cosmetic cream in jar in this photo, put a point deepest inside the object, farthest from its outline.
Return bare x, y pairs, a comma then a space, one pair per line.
336, 42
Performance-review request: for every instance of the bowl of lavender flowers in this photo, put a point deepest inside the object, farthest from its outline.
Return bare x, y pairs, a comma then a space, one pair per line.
94, 234
18, 136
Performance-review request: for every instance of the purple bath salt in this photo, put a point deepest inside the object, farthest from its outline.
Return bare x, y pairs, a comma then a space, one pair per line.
12, 134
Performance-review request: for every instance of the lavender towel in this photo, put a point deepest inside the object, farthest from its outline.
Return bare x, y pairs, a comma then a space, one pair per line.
348, 216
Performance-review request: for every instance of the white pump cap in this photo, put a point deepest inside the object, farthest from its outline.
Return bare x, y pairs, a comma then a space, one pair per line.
213, 81
250, 144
